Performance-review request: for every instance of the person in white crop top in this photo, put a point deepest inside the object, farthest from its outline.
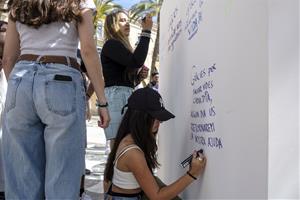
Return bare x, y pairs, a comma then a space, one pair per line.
129, 170
44, 127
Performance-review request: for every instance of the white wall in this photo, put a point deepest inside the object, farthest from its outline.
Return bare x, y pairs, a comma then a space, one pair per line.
234, 39
254, 45
284, 99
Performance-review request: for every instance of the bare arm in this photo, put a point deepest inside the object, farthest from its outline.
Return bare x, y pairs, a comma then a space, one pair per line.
11, 48
90, 91
0, 64
148, 183
92, 62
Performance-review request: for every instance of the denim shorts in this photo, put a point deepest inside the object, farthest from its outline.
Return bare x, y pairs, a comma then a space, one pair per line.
117, 97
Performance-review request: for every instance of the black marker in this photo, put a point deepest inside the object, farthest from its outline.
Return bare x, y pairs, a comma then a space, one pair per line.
188, 160
144, 16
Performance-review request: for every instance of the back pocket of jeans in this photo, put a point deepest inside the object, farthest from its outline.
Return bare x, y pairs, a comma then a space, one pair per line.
61, 97
11, 94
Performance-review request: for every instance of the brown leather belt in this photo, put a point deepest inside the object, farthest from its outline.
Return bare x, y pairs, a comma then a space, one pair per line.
51, 59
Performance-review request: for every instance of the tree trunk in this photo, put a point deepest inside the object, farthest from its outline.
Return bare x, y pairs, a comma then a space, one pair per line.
156, 47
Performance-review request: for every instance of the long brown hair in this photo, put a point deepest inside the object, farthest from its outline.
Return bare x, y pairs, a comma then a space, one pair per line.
35, 13
139, 125
112, 29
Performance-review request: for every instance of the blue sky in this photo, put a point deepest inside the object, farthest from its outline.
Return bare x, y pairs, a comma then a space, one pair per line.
126, 3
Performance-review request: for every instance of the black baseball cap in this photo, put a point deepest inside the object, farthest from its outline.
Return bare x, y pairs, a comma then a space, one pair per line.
148, 100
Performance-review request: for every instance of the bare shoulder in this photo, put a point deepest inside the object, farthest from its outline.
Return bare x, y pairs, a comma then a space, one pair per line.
136, 153
133, 153
86, 15
128, 159
85, 10
135, 156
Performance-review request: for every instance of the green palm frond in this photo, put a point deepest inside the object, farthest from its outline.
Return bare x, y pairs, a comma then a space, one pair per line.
103, 7
143, 7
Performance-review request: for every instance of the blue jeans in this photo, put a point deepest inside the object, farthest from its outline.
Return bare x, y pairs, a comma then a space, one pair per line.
43, 132
3, 86
117, 97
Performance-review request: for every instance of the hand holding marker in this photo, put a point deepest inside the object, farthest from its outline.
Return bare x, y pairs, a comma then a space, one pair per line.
143, 18
188, 160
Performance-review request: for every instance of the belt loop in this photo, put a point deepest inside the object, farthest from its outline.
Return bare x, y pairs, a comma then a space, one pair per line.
68, 61
39, 58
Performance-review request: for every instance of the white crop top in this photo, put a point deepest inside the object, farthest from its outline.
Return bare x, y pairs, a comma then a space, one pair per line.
125, 180
61, 37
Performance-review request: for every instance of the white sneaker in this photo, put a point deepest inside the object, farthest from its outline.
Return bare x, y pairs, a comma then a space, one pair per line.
84, 196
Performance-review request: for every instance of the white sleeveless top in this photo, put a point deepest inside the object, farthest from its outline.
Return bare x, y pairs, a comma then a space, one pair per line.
125, 180
61, 37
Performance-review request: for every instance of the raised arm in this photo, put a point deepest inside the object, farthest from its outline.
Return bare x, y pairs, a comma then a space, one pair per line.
117, 52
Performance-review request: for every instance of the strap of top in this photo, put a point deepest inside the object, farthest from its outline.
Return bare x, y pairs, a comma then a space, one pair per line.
124, 150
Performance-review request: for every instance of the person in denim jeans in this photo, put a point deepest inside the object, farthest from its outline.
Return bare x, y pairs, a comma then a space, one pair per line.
129, 170
44, 116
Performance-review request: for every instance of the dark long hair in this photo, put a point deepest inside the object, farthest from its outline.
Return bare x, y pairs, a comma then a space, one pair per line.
35, 13
139, 125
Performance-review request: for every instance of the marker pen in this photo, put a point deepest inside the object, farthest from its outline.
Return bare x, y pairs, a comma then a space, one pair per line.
188, 160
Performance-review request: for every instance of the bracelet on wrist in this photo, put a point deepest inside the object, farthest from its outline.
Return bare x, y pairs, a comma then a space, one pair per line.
146, 31
188, 173
148, 35
99, 105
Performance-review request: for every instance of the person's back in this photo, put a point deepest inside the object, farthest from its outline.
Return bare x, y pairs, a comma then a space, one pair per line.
62, 39
123, 177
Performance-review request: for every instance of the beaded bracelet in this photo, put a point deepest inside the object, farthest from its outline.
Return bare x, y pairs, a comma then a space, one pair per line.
188, 173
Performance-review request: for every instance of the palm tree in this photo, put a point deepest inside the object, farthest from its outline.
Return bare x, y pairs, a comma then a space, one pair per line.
149, 7
103, 7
